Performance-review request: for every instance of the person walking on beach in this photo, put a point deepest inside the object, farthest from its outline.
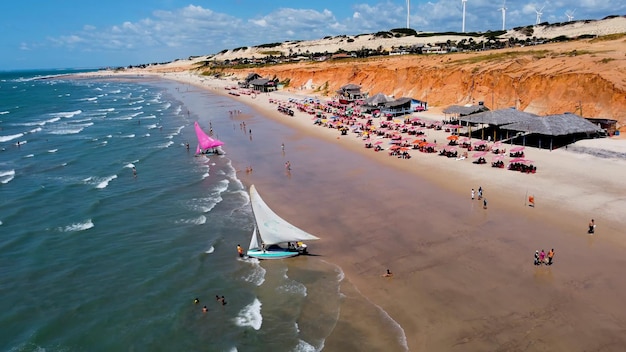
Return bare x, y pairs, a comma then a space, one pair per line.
288, 166
531, 201
473, 193
480, 193
550, 256
542, 257
537, 257
484, 203
282, 146
592, 226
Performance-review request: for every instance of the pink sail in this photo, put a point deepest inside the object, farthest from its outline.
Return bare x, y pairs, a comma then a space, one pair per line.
204, 141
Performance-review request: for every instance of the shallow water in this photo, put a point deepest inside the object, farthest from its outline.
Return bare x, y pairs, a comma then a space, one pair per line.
94, 258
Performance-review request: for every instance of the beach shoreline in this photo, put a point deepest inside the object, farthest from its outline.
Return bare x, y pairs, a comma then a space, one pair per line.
443, 294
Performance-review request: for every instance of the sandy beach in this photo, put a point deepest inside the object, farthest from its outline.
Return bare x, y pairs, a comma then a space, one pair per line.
464, 278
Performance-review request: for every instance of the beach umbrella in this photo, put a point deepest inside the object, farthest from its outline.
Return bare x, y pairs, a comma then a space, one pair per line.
520, 161
480, 142
498, 157
517, 149
378, 142
449, 148
479, 154
452, 138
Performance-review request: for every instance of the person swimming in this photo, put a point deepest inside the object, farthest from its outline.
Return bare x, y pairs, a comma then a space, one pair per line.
196, 301
388, 274
205, 309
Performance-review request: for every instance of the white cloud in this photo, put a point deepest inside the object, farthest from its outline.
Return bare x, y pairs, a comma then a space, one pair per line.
194, 30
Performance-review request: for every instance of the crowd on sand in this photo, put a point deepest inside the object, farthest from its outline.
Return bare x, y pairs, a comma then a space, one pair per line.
400, 136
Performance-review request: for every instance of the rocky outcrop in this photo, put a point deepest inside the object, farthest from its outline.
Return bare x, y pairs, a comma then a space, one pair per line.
583, 75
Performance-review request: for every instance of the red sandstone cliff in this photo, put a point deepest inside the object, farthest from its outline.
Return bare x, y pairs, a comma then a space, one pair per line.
543, 79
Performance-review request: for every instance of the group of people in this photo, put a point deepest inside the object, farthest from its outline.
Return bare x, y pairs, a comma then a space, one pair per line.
480, 196
205, 309
543, 257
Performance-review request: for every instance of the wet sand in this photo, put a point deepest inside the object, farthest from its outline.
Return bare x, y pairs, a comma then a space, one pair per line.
463, 276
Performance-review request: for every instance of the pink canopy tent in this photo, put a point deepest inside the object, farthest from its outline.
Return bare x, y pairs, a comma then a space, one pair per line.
517, 149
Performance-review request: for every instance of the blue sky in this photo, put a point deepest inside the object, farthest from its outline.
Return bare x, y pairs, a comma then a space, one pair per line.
89, 34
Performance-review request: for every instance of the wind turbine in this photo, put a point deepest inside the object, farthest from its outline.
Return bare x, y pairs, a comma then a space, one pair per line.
570, 15
408, 13
463, 2
503, 9
539, 13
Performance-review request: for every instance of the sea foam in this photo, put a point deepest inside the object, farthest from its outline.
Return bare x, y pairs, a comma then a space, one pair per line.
66, 114
257, 275
10, 137
101, 182
79, 226
250, 315
7, 176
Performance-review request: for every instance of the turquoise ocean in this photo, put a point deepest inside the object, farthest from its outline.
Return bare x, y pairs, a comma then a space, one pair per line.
93, 258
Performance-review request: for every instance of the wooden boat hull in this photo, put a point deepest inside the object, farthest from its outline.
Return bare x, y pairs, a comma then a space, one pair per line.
271, 254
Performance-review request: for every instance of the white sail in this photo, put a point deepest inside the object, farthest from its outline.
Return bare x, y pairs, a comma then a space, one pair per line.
272, 228
254, 242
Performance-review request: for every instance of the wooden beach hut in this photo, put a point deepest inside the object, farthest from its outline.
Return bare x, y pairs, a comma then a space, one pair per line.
350, 93
553, 131
488, 123
398, 107
263, 85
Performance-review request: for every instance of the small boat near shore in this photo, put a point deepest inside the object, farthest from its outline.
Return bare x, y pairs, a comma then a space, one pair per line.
207, 145
279, 239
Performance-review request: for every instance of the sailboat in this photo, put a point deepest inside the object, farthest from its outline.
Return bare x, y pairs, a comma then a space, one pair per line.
206, 144
274, 231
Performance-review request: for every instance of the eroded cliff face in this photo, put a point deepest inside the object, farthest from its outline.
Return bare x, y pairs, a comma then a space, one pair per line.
547, 79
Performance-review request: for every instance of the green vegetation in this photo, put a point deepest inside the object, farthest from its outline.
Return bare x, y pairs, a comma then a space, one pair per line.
561, 38
323, 88
609, 37
270, 45
606, 60
578, 52
537, 54
383, 35
404, 31
285, 82
240, 48
271, 53
435, 34
527, 31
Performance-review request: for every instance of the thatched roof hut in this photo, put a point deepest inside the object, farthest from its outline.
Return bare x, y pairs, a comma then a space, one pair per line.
498, 117
399, 102
554, 125
464, 110
377, 99
349, 89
